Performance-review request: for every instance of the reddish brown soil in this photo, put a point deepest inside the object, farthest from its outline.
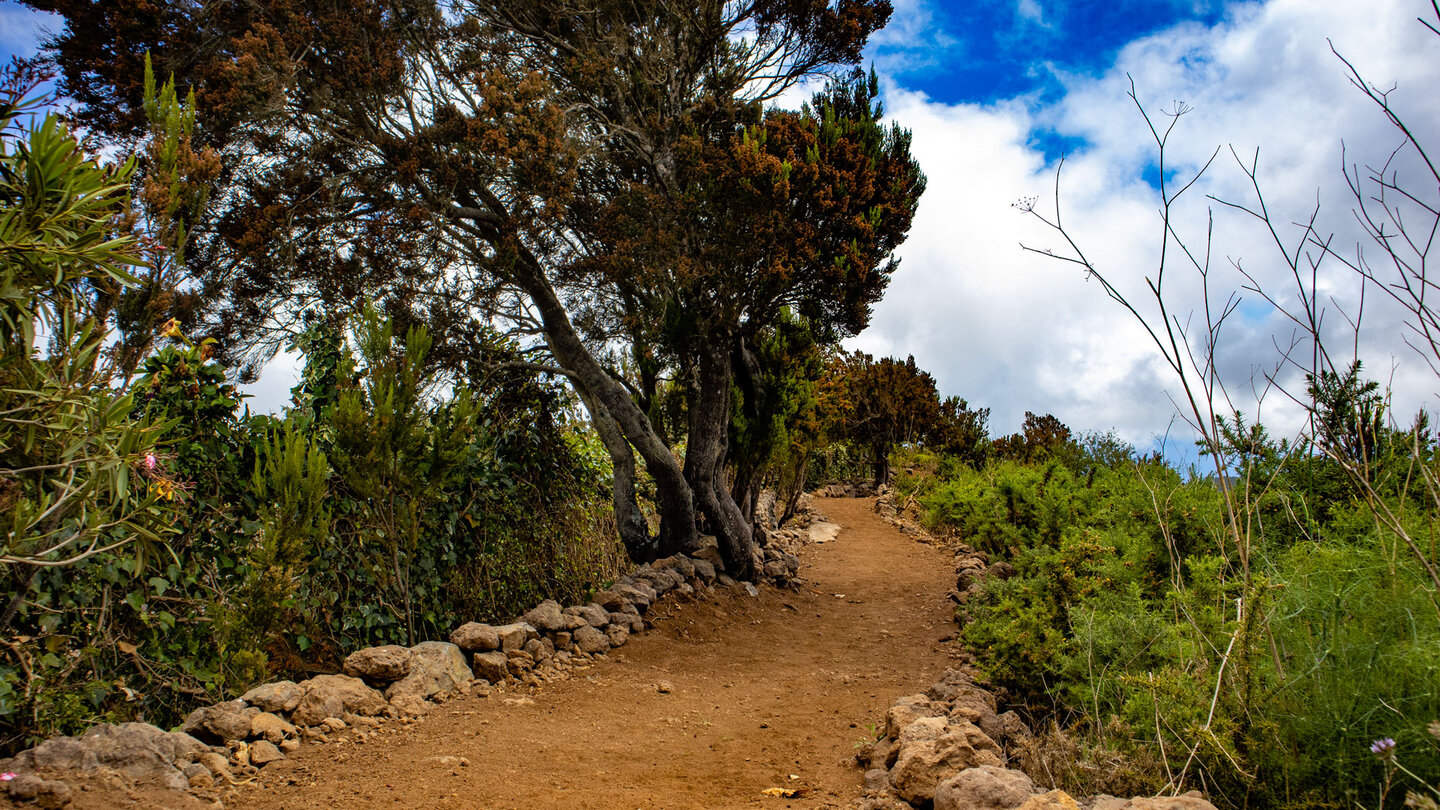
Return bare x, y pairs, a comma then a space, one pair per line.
766, 692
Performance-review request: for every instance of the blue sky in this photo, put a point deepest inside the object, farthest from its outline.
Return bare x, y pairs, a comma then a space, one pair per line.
995, 91
983, 51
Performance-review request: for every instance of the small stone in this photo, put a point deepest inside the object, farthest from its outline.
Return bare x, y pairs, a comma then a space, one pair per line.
290, 746
269, 727
263, 753
617, 635
492, 666
590, 640
664, 687
513, 636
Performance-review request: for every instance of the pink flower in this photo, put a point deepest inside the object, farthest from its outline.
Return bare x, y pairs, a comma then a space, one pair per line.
6, 777
150, 461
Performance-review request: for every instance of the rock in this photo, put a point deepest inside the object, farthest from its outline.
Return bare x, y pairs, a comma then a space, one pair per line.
634, 622
589, 640
776, 570
907, 710
200, 781
519, 662
562, 640
139, 751
749, 588
290, 746
679, 563
491, 666
475, 637
972, 707
539, 649
436, 668
639, 594
262, 753
987, 787
1054, 800
1193, 800
1013, 728
593, 614
545, 617
277, 697
617, 634
877, 779
46, 793
709, 551
933, 749
704, 569
333, 695
514, 636
219, 723
610, 600
267, 726
381, 665
217, 765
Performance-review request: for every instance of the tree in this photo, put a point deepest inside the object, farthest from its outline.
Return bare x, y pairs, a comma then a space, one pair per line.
893, 402
594, 174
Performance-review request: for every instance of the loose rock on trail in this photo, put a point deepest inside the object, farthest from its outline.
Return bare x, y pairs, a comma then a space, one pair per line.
723, 699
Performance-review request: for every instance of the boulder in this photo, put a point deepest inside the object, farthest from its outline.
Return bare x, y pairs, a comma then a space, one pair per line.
986, 787
545, 617
617, 634
491, 666
267, 726
933, 749
219, 723
436, 668
277, 697
139, 751
589, 640
333, 695
1054, 800
776, 570
379, 665
562, 640
475, 637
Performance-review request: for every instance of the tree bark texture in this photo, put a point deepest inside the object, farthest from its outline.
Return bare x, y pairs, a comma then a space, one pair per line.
709, 383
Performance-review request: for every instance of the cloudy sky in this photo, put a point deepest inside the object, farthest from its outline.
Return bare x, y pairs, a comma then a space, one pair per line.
997, 91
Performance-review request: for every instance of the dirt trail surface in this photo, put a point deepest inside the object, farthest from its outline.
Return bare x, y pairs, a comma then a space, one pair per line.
757, 693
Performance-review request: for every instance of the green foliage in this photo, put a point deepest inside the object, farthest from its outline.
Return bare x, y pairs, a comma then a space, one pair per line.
1127, 621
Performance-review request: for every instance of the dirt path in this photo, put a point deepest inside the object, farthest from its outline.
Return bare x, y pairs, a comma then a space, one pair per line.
760, 689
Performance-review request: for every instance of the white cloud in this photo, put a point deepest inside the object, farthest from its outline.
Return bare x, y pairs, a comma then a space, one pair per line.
1016, 331
912, 41
1031, 12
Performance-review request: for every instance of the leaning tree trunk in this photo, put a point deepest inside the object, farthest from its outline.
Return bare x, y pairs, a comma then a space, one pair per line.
629, 519
674, 499
709, 385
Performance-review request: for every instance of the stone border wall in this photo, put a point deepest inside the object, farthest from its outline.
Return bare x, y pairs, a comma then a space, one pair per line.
230, 742
949, 748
